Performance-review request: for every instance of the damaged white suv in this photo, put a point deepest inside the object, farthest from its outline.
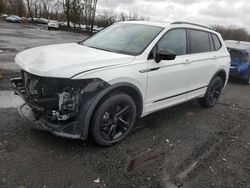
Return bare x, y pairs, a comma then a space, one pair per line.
102, 85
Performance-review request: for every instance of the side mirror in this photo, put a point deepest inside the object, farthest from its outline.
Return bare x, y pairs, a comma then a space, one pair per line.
165, 55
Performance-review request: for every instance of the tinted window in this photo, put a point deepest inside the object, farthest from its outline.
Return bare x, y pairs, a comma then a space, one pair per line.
199, 41
174, 40
211, 43
217, 43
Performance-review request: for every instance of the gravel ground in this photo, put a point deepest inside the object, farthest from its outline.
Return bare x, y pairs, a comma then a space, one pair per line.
183, 146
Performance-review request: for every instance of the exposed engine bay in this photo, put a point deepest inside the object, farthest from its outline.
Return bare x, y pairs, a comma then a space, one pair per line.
56, 100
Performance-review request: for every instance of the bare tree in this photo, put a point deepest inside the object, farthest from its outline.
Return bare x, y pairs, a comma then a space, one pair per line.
16, 7
232, 32
89, 13
56, 8
29, 4
93, 12
76, 11
66, 8
36, 5
2, 6
123, 16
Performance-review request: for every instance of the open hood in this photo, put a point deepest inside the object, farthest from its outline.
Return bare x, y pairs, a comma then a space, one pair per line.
67, 60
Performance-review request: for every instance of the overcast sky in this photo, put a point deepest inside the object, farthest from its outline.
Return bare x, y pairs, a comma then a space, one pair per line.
208, 12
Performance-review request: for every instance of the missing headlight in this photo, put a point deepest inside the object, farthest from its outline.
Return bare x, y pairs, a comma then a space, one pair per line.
59, 99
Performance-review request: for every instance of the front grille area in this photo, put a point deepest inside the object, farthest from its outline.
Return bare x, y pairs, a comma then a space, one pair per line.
44, 91
56, 99
37, 86
39, 91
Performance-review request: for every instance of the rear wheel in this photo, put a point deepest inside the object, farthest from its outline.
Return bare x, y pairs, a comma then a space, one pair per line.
213, 93
113, 119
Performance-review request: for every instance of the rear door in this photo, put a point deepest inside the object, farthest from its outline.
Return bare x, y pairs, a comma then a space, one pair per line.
204, 59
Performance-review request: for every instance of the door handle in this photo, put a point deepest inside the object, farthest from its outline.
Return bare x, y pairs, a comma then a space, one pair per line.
186, 62
214, 57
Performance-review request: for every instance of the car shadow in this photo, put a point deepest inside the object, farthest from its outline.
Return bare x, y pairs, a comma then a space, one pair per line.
152, 122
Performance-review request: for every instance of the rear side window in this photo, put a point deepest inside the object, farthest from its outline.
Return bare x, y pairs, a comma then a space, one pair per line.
199, 41
174, 40
217, 43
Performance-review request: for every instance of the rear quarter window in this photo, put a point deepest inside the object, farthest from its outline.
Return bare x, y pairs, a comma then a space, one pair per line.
217, 43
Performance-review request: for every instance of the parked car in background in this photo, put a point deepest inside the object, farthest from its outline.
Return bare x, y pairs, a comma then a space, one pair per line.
25, 19
100, 86
53, 24
41, 21
240, 59
4, 15
14, 19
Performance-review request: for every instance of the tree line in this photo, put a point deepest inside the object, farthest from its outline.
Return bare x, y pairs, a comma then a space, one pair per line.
232, 33
76, 12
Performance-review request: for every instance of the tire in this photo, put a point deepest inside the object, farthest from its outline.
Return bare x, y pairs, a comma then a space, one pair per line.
113, 119
213, 93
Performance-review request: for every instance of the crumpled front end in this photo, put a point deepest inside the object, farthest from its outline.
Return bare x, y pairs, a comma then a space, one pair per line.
54, 104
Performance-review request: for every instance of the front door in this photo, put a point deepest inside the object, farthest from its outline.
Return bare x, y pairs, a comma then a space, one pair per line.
167, 80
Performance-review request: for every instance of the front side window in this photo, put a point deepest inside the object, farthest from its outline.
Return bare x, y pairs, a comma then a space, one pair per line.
125, 38
174, 40
199, 41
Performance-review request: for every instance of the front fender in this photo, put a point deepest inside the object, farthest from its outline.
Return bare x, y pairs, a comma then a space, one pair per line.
90, 104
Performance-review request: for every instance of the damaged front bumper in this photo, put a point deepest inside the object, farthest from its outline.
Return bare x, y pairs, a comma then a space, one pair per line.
54, 105
66, 130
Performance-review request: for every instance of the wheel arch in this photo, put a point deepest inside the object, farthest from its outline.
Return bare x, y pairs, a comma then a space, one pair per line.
222, 74
125, 87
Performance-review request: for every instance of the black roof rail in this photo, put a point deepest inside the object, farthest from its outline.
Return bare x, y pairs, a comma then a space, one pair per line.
179, 22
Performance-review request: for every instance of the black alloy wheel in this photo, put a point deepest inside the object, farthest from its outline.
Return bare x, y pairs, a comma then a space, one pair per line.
113, 119
213, 93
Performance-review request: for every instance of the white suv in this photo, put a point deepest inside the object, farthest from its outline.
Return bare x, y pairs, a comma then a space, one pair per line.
100, 86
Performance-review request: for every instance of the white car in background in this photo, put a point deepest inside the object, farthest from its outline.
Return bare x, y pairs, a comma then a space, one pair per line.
4, 15
53, 24
100, 86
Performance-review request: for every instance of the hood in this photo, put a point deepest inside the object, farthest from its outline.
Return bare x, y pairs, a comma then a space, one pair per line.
67, 60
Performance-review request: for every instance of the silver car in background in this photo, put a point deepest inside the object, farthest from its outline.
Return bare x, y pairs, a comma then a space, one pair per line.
14, 19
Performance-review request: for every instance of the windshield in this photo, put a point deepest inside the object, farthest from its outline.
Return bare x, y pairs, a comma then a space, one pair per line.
126, 38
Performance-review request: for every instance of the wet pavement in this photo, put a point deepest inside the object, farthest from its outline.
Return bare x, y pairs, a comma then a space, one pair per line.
183, 146
10, 100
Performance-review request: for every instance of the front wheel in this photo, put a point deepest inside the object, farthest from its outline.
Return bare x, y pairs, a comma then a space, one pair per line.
213, 93
113, 119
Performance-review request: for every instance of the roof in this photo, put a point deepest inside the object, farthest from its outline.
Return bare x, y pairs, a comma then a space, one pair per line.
176, 24
158, 24
239, 45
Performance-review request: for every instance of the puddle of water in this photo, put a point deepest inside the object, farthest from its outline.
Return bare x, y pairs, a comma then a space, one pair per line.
9, 100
